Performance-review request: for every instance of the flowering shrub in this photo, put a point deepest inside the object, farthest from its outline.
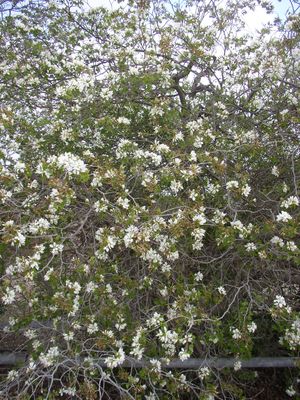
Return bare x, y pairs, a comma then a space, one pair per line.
149, 195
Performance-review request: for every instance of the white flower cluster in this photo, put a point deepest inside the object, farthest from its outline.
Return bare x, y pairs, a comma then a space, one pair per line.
123, 120
275, 171
236, 333
49, 358
246, 189
283, 216
75, 286
155, 110
97, 179
155, 320
291, 201
204, 372
125, 148
70, 391
183, 354
168, 339
56, 248
10, 294
175, 186
292, 335
290, 245
123, 202
39, 226
198, 277
193, 126
101, 206
232, 185
92, 328
237, 365
156, 365
250, 247
252, 327
279, 301
198, 235
155, 158
244, 230
71, 163
137, 350
115, 360
19, 239
130, 233
222, 290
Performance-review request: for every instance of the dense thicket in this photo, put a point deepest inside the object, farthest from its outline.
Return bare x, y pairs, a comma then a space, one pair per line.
149, 189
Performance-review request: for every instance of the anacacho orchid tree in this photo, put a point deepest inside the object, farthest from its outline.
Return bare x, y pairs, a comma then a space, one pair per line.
149, 189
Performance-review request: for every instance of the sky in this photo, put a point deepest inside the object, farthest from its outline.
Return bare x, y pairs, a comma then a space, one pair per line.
254, 20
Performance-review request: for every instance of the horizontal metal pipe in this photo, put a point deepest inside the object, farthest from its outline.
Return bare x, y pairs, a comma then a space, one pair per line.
13, 359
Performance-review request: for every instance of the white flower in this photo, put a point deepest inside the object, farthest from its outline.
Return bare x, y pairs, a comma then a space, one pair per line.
198, 143
90, 287
291, 201
183, 354
30, 334
280, 301
283, 216
222, 290
236, 334
200, 218
71, 391
49, 358
237, 365
48, 274
92, 328
123, 202
275, 171
164, 292
198, 276
71, 163
101, 206
117, 359
277, 240
156, 364
204, 372
19, 239
252, 327
176, 186
232, 185
155, 320
250, 247
13, 374
178, 137
291, 246
290, 391
123, 120
73, 285
68, 336
193, 156
19, 166
246, 190
168, 339
56, 248
9, 296
292, 335
156, 111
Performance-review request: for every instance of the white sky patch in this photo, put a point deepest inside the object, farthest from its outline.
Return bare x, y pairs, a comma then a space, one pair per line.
110, 4
255, 20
